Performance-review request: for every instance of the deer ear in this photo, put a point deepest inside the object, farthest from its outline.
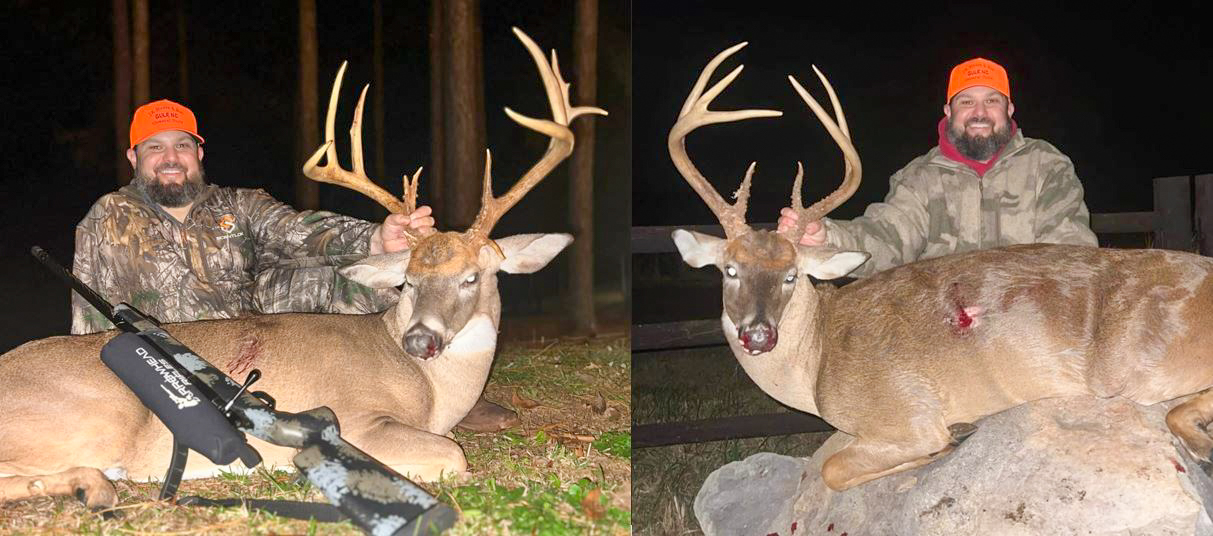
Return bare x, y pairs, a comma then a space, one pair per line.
527, 253
378, 271
698, 249
824, 262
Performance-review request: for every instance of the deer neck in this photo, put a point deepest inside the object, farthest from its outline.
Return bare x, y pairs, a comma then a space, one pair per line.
456, 376
788, 373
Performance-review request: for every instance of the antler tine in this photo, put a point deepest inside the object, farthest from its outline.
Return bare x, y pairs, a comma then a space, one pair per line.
356, 135
410, 191
797, 205
839, 117
560, 147
841, 135
332, 172
695, 114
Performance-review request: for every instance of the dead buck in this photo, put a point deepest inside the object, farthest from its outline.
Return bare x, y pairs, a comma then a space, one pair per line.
398, 380
904, 361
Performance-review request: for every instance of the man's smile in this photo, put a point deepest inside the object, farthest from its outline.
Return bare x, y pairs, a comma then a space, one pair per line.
979, 128
171, 174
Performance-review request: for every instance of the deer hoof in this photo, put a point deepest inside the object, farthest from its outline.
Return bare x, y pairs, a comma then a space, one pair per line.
1206, 467
960, 432
98, 500
486, 416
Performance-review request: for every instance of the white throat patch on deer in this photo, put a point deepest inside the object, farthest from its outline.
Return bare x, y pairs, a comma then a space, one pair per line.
450, 277
448, 281
398, 381
759, 267
908, 360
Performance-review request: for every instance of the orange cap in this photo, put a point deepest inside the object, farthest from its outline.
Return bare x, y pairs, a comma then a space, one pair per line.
155, 117
978, 72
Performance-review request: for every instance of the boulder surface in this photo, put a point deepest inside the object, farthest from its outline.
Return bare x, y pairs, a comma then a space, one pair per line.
1076, 465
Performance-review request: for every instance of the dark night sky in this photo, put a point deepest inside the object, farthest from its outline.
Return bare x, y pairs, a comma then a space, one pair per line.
242, 86
1123, 91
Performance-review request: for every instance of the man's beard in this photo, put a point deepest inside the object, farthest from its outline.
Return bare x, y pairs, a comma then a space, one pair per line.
171, 195
979, 148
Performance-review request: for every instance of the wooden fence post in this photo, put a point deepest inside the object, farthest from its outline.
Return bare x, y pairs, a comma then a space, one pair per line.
1204, 213
1173, 213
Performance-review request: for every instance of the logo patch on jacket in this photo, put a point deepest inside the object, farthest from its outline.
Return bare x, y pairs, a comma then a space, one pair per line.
227, 223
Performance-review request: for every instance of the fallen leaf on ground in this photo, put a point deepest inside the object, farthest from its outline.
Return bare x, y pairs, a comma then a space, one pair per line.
591, 505
522, 402
599, 406
576, 437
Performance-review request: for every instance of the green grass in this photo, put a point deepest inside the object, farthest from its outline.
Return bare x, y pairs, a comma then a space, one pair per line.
615, 443
549, 506
564, 470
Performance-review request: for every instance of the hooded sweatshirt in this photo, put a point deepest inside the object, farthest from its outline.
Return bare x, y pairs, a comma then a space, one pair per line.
943, 203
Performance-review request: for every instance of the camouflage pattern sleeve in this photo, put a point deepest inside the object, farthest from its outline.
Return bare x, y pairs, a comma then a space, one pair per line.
893, 232
282, 232
1061, 215
85, 265
297, 256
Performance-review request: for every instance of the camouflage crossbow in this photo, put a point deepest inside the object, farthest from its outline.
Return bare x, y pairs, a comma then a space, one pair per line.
208, 412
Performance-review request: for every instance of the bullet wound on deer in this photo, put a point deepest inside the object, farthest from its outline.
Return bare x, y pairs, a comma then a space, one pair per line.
406, 425
963, 317
1092, 321
250, 350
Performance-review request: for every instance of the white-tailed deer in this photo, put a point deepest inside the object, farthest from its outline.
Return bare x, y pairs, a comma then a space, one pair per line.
906, 360
398, 380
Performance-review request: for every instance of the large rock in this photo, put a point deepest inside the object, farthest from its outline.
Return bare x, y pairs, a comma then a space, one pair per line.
1062, 466
748, 496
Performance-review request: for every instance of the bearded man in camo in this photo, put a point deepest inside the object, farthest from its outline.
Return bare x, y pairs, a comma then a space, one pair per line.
985, 185
180, 249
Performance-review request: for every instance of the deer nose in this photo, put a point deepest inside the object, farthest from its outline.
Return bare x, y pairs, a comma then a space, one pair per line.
757, 338
422, 342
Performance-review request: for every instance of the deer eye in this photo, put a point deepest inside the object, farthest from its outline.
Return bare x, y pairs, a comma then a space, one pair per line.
471, 280
730, 271
791, 278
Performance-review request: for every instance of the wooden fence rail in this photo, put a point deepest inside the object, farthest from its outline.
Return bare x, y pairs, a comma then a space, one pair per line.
1173, 224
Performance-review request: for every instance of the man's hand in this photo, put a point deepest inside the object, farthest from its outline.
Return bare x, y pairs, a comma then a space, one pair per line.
814, 231
391, 238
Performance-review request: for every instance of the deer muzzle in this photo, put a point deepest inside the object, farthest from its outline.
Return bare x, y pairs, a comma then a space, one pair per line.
757, 338
423, 343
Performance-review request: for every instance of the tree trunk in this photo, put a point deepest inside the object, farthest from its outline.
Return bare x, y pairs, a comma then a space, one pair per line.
436, 173
307, 191
464, 112
581, 168
122, 90
183, 71
143, 89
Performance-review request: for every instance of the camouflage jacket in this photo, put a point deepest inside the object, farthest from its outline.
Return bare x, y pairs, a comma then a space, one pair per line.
937, 206
239, 251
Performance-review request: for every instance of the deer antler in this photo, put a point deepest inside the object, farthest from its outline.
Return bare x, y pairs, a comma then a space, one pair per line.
561, 146
695, 114
356, 180
851, 175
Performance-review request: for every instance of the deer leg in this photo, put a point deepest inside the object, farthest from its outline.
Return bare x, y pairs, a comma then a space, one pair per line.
86, 483
411, 452
960, 432
865, 460
1188, 421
